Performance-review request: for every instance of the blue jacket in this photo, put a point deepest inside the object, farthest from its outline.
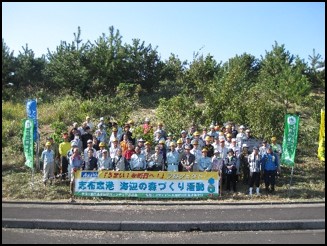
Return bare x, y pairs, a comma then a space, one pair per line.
269, 162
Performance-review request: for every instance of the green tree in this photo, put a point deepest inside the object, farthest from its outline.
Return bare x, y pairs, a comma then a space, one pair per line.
67, 69
108, 63
172, 75
226, 97
200, 74
8, 71
281, 84
177, 113
317, 70
144, 65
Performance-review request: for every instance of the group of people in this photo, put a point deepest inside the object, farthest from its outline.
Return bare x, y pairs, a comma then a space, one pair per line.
232, 152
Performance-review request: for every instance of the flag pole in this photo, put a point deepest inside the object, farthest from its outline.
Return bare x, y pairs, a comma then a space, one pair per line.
289, 190
37, 142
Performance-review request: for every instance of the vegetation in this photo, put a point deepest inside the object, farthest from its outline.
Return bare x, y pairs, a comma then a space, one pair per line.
130, 81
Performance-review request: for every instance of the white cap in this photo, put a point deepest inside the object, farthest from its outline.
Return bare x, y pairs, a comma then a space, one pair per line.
245, 146
183, 131
101, 118
243, 127
147, 119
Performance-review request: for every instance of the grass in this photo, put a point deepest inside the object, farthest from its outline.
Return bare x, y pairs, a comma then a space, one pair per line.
308, 181
308, 184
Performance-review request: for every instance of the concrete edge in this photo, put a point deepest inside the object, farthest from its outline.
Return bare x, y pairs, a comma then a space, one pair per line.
150, 203
164, 226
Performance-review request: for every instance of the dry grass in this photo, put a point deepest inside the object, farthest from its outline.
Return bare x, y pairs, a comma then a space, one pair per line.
308, 184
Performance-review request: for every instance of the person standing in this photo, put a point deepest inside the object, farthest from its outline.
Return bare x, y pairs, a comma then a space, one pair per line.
89, 123
104, 161
64, 147
276, 148
55, 148
172, 158
90, 162
230, 170
209, 146
47, 157
188, 159
270, 168
156, 162
138, 162
244, 164
119, 163
75, 163
254, 161
205, 163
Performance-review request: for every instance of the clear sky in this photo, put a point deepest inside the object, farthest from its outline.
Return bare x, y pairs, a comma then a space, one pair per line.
221, 29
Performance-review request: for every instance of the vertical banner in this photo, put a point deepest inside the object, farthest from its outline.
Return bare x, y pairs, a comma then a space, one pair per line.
31, 110
321, 148
291, 128
28, 143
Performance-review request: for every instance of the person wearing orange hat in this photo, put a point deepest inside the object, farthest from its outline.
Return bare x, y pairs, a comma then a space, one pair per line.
205, 163
277, 149
196, 136
131, 124
146, 151
64, 147
208, 146
47, 157
161, 129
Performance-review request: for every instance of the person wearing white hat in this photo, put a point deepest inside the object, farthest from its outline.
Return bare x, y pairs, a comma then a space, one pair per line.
140, 143
138, 162
240, 137
188, 159
183, 136
254, 161
172, 158
113, 150
212, 131
86, 150
196, 151
104, 161
89, 123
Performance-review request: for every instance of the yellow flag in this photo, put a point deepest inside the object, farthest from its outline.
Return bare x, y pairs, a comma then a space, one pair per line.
321, 148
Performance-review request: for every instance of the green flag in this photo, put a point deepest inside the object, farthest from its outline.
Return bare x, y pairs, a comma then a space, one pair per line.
28, 142
290, 139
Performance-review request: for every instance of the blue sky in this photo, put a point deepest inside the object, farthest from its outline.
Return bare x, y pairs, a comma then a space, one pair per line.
221, 29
